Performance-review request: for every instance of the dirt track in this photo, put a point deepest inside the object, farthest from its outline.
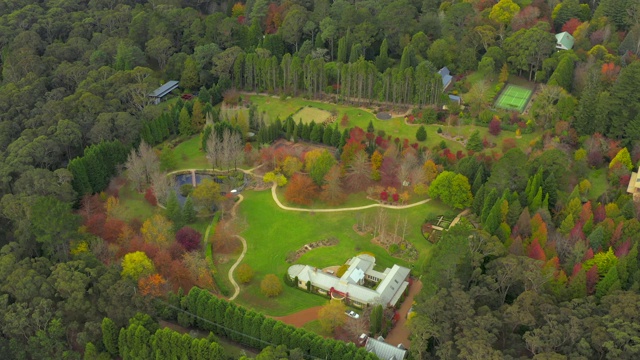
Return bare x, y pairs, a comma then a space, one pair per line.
301, 317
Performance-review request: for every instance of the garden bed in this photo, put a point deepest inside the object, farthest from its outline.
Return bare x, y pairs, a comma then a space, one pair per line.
294, 256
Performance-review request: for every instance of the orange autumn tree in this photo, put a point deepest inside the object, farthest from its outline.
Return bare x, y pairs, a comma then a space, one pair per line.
152, 285
301, 190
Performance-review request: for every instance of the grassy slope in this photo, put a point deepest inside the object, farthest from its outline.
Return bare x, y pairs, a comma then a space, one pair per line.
273, 233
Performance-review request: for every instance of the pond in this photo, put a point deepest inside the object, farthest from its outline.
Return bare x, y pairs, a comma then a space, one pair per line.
233, 182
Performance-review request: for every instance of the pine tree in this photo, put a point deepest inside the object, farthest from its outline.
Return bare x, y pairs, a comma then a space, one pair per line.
474, 142
609, 283
306, 132
478, 179
336, 137
382, 61
493, 220
326, 136
342, 50
478, 200
421, 134
185, 127
536, 203
110, 336
567, 224
550, 188
370, 128
173, 211
489, 200
188, 211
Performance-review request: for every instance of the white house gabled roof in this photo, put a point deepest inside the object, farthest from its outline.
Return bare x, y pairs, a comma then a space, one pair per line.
385, 351
392, 283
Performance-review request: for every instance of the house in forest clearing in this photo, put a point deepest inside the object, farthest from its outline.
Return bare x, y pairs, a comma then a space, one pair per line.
158, 94
564, 41
392, 284
447, 78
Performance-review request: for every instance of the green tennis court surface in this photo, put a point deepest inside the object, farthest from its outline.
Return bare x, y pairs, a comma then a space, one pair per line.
514, 98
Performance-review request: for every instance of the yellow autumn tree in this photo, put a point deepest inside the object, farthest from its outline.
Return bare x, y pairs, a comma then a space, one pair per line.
136, 265
111, 206
157, 230
430, 170
332, 315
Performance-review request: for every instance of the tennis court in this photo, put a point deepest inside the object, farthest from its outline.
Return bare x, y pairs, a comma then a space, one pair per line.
514, 98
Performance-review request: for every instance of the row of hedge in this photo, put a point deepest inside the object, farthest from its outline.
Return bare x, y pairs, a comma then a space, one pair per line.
207, 312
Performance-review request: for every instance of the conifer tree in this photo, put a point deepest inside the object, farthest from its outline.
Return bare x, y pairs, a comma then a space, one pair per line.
173, 211
336, 137
185, 128
327, 135
188, 211
421, 134
478, 200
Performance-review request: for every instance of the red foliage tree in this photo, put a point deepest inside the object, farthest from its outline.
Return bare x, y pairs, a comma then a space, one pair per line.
384, 196
585, 213
576, 269
180, 276
494, 127
90, 205
536, 252
395, 197
609, 72
592, 279
189, 238
516, 247
176, 251
599, 214
588, 255
389, 173
525, 19
301, 190
275, 17
95, 224
623, 249
150, 196
571, 25
356, 135
112, 230
595, 158
576, 233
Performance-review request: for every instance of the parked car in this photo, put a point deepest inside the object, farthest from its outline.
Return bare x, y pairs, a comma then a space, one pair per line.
352, 314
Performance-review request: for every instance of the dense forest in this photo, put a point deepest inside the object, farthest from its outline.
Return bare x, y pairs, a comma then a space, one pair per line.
552, 273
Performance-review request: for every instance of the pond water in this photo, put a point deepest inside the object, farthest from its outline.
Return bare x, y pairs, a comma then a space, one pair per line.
227, 183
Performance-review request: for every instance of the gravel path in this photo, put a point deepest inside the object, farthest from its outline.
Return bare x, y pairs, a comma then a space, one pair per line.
244, 251
281, 206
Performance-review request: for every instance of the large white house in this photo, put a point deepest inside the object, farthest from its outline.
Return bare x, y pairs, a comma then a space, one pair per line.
391, 284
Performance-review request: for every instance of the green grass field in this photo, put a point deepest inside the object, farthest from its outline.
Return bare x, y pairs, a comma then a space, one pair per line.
133, 205
309, 114
187, 155
514, 97
396, 127
598, 180
273, 233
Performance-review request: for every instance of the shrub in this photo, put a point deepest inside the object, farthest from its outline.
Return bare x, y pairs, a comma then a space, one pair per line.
186, 190
494, 127
150, 197
245, 273
341, 270
271, 286
421, 134
439, 131
393, 248
190, 239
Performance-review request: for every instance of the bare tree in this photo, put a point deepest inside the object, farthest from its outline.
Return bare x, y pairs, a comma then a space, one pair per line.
214, 149
407, 167
380, 225
141, 166
162, 186
359, 172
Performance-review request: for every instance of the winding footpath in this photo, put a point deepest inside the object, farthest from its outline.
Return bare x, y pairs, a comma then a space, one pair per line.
275, 198
236, 287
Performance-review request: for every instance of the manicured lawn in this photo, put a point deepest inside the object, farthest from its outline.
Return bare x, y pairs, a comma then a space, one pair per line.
396, 127
133, 205
598, 180
353, 200
288, 302
273, 233
309, 114
188, 155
